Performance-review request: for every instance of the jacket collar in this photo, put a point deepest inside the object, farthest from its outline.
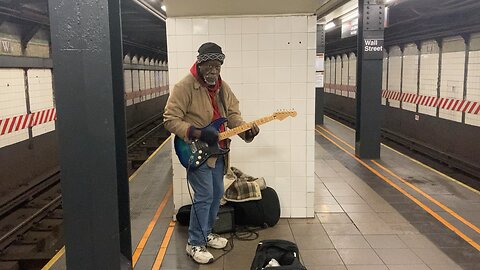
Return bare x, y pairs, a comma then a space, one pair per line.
196, 84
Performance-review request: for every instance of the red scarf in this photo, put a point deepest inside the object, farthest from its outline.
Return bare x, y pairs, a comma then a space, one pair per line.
212, 91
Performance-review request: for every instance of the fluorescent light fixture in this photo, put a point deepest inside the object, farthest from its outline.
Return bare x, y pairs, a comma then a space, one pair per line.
350, 16
164, 8
151, 9
329, 26
388, 1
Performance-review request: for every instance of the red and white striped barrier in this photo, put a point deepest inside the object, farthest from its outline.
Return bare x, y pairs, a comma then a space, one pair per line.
20, 122
452, 104
472, 107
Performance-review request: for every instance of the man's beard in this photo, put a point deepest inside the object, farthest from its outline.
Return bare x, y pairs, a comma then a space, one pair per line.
210, 80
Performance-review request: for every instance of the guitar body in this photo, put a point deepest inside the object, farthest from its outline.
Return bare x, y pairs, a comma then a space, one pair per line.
193, 154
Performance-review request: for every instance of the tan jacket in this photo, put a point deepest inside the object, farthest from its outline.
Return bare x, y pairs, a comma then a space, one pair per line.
189, 104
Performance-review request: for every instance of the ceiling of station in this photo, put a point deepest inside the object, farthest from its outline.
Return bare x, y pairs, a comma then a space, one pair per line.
143, 23
143, 28
188, 8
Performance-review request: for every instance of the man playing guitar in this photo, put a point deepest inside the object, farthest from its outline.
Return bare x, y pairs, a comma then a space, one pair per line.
195, 101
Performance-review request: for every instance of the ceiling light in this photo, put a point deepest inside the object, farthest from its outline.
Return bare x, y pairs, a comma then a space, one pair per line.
350, 16
329, 26
164, 8
151, 9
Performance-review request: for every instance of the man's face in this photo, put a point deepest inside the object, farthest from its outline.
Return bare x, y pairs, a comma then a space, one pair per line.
210, 71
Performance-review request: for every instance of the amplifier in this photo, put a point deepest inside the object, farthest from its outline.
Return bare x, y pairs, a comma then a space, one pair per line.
225, 222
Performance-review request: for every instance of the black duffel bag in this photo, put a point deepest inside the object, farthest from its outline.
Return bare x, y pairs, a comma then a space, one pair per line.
286, 253
224, 223
264, 212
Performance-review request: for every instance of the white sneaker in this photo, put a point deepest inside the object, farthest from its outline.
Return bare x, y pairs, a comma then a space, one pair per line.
199, 254
216, 241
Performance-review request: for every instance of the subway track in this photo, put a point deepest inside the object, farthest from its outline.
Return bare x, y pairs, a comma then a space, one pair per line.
31, 219
439, 161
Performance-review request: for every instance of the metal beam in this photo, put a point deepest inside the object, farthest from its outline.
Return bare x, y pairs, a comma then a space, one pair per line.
24, 15
27, 34
369, 78
88, 79
320, 91
7, 61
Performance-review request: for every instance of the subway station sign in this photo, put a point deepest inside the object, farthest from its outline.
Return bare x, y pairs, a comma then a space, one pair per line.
373, 49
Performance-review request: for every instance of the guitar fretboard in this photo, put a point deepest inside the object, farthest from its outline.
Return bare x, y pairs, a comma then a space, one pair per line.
234, 131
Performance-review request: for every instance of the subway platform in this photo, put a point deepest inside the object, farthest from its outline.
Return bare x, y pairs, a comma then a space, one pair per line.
388, 214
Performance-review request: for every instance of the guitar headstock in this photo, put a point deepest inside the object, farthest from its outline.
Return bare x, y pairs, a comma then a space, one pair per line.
282, 114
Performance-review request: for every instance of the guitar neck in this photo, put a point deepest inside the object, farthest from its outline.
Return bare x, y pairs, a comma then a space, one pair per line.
234, 131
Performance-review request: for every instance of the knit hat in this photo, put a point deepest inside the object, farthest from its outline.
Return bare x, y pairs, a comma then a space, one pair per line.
210, 51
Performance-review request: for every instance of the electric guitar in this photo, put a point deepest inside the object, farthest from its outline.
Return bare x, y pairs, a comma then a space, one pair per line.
195, 153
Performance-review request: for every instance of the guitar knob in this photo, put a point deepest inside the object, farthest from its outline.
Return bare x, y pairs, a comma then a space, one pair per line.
199, 157
200, 151
198, 162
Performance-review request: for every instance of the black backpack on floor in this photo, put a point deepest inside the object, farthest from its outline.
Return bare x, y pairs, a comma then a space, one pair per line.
284, 252
264, 212
224, 223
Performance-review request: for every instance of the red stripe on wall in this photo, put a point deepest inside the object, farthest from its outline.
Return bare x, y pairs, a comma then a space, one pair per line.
449, 103
41, 117
30, 123
472, 107
36, 118
413, 97
464, 109
454, 108
12, 124
439, 102
26, 120
5, 124
51, 115
460, 107
49, 111
19, 122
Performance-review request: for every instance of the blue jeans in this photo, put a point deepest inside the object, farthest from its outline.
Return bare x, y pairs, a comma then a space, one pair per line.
207, 183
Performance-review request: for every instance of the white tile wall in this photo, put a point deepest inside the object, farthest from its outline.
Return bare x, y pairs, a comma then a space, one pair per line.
267, 67
384, 75
473, 79
41, 96
136, 84
352, 73
345, 70
148, 83
127, 75
429, 74
338, 73
453, 72
12, 102
410, 74
141, 79
327, 74
394, 73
